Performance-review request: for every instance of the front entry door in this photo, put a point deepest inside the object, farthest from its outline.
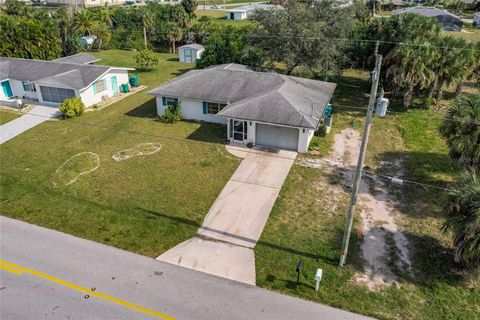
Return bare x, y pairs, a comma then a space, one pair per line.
239, 131
7, 90
114, 85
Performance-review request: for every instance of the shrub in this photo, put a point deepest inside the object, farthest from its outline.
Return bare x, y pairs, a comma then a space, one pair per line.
464, 219
172, 113
461, 131
72, 107
145, 60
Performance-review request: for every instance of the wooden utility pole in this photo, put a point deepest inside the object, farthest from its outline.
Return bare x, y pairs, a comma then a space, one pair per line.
361, 157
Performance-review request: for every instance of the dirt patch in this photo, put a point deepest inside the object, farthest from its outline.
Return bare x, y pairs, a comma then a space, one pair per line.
80, 164
380, 234
142, 149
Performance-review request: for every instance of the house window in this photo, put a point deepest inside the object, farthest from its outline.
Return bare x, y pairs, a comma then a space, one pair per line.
99, 86
171, 101
28, 86
214, 108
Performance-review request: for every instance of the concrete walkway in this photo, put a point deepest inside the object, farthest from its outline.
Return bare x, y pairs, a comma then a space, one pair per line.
29, 120
223, 244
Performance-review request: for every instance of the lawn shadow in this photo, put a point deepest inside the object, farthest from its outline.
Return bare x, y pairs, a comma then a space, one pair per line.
145, 110
208, 132
181, 220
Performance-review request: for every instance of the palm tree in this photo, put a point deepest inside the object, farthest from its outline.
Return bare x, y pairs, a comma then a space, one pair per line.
84, 21
106, 16
174, 33
461, 130
147, 21
102, 32
464, 219
412, 67
473, 71
453, 65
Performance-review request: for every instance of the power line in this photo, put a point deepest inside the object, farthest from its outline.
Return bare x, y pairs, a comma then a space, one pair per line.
392, 178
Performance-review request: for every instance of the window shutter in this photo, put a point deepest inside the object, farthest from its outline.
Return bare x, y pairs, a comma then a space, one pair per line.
94, 86
164, 101
205, 107
25, 87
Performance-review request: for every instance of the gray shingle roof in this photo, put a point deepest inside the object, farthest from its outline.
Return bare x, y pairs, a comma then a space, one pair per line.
81, 58
76, 76
193, 46
259, 96
425, 11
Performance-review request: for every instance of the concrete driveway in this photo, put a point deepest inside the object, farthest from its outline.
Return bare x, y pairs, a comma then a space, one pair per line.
224, 243
29, 120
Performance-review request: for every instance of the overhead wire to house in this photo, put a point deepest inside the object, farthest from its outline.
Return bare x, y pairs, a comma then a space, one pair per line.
394, 179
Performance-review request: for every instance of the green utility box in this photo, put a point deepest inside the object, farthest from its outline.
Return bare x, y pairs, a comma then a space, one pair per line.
133, 80
125, 88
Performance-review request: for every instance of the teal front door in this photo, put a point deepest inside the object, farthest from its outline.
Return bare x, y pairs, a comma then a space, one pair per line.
7, 90
114, 85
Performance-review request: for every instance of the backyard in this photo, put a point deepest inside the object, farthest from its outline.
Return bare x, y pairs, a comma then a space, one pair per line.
148, 204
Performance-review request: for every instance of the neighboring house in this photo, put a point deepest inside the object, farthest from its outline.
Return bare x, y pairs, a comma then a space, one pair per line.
190, 52
476, 20
244, 12
449, 21
261, 108
393, 4
471, 4
51, 82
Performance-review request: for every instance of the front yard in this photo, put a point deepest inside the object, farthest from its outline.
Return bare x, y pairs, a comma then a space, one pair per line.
136, 204
8, 115
148, 204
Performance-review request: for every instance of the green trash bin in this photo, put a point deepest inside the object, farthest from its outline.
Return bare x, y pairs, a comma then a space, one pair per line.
133, 80
125, 88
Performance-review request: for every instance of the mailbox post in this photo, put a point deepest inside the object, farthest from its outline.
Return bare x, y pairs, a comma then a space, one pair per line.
318, 278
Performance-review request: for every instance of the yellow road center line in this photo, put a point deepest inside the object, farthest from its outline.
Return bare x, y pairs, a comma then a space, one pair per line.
12, 270
20, 270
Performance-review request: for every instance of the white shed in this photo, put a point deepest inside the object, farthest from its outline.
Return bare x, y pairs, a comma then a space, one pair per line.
190, 52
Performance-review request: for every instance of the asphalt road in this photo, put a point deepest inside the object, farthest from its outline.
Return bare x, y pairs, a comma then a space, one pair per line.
46, 274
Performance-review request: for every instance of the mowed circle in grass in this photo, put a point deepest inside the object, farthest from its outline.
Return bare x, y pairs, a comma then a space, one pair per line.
142, 149
80, 164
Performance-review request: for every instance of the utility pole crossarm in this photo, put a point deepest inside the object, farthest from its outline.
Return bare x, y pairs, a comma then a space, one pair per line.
361, 157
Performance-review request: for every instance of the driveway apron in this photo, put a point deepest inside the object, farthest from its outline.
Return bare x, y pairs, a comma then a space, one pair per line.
27, 121
224, 244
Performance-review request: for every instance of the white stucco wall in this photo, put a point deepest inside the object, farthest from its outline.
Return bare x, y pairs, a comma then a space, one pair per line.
304, 139
196, 54
89, 98
237, 15
17, 90
191, 110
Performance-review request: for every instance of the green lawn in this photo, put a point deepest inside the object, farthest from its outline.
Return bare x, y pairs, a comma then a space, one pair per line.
137, 204
307, 222
6, 116
469, 34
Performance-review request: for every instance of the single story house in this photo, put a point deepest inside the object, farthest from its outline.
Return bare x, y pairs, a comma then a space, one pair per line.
51, 82
190, 52
244, 12
449, 21
393, 4
259, 108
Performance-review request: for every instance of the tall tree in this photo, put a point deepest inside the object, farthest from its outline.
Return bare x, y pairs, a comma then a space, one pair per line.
173, 33
147, 22
461, 130
302, 34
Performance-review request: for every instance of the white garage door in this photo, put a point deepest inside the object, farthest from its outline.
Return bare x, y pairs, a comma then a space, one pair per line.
277, 137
